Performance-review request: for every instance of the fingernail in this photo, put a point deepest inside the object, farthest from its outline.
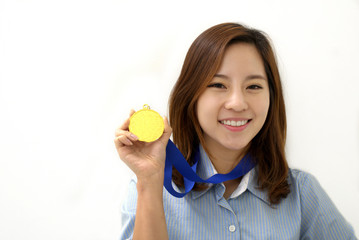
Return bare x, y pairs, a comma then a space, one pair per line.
133, 136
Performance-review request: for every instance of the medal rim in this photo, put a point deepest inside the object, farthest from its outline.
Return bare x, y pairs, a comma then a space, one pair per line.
158, 117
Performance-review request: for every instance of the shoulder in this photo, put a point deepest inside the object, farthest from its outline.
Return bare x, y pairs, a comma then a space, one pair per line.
319, 215
300, 177
306, 186
313, 198
312, 195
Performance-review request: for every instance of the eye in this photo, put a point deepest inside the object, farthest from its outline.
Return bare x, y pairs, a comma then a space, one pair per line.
216, 85
254, 87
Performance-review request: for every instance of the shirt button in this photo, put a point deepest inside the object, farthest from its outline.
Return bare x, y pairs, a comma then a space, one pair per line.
232, 228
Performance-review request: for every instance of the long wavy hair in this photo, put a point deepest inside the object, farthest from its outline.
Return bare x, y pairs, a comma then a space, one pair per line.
202, 62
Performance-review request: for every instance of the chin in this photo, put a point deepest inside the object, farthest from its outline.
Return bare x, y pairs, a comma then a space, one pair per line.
237, 146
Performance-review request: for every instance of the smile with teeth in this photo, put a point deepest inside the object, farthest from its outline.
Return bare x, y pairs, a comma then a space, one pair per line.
234, 123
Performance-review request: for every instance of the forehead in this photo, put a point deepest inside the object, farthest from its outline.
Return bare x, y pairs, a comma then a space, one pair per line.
241, 58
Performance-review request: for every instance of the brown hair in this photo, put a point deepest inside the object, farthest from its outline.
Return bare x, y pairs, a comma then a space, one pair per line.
202, 62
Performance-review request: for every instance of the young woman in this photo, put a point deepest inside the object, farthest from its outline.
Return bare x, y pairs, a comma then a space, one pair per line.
228, 103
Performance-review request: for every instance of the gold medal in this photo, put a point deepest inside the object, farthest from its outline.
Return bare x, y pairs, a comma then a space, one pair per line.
146, 124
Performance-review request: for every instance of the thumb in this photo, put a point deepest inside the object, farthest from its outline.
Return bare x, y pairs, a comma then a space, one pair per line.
166, 132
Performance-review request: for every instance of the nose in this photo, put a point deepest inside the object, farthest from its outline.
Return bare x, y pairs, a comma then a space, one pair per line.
236, 101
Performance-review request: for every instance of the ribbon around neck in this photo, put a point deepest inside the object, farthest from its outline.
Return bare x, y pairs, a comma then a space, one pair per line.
174, 158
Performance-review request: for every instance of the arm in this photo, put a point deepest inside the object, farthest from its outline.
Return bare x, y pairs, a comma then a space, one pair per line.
150, 220
147, 161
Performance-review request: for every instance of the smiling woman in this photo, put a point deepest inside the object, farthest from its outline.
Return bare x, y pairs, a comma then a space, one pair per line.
254, 62
226, 104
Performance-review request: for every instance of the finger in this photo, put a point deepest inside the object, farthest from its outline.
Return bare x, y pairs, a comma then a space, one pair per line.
123, 141
122, 129
167, 131
128, 134
126, 123
117, 142
132, 111
131, 136
124, 126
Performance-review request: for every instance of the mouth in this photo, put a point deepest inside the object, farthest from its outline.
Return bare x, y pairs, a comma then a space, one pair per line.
234, 123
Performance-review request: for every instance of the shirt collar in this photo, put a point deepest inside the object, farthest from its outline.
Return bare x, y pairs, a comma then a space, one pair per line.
205, 170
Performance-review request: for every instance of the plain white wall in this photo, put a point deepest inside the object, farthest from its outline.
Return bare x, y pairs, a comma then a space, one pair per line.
72, 70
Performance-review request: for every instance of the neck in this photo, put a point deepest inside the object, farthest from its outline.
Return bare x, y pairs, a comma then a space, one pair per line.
224, 160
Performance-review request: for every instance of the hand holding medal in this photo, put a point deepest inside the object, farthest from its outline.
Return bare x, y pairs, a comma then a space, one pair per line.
141, 143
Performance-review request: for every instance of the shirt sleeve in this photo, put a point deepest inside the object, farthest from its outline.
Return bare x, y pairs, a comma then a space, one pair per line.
128, 212
320, 218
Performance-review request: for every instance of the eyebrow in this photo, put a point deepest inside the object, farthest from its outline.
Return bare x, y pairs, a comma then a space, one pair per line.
250, 77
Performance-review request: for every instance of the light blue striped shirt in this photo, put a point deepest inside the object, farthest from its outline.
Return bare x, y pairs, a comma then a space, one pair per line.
306, 213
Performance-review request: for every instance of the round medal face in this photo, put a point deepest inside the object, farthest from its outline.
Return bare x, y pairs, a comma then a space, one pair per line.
146, 124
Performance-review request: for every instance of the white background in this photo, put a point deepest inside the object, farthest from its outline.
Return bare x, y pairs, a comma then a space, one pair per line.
71, 71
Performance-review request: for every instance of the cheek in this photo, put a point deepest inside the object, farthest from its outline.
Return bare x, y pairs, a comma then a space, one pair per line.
206, 106
208, 99
201, 109
262, 107
265, 105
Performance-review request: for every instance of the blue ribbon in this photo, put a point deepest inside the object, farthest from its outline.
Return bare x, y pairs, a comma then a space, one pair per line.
174, 158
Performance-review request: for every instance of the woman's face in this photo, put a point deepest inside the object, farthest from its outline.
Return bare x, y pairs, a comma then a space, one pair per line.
234, 106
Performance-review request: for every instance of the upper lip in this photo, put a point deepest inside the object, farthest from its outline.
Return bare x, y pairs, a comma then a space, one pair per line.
234, 119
